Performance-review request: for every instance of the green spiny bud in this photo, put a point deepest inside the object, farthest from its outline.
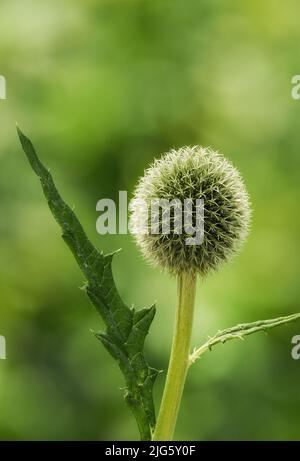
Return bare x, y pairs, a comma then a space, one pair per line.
192, 173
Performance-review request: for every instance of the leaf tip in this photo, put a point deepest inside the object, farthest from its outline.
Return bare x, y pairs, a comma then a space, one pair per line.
19, 131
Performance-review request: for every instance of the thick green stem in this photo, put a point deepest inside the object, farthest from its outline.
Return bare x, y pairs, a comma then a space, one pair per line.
179, 359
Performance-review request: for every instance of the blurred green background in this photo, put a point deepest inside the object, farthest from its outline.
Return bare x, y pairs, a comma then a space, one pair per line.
102, 87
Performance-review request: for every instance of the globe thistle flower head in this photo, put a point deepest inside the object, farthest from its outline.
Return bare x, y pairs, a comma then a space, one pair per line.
191, 173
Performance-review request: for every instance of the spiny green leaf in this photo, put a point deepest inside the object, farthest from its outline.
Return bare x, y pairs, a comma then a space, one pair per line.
239, 331
126, 328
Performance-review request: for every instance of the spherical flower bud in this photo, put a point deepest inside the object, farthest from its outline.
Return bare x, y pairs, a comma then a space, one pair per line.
195, 188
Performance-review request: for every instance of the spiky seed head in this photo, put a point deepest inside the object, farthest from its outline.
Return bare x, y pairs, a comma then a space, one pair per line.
192, 173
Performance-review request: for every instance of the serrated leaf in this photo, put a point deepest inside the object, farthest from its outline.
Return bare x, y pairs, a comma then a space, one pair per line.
126, 328
239, 332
